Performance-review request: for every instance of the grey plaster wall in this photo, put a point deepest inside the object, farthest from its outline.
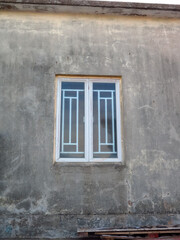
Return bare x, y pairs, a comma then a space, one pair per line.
39, 199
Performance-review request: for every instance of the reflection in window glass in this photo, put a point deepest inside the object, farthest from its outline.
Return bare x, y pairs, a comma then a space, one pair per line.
72, 125
104, 120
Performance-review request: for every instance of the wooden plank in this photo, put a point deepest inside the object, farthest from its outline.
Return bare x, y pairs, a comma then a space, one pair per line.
150, 238
138, 232
115, 237
105, 230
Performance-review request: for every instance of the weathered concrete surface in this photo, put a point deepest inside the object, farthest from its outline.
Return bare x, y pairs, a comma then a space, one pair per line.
39, 199
97, 3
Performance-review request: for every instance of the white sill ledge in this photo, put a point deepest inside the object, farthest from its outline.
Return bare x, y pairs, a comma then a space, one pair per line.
90, 164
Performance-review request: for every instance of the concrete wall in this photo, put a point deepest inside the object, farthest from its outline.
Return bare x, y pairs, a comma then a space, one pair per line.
40, 199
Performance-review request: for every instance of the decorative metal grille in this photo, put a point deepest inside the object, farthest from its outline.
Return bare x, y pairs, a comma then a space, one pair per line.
109, 134
69, 99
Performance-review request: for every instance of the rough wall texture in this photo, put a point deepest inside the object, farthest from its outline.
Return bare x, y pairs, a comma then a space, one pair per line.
40, 199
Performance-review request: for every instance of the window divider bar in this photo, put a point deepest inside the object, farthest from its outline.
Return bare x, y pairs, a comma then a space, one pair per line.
72, 152
66, 97
87, 122
112, 95
106, 144
72, 90
77, 121
106, 126
105, 98
105, 152
99, 125
96, 90
70, 119
90, 119
70, 143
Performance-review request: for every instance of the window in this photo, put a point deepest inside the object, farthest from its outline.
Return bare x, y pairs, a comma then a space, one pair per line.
88, 120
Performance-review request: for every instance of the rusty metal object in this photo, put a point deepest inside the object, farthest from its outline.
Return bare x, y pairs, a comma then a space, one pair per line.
140, 233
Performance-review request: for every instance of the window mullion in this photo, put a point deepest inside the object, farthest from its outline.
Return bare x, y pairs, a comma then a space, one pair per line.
90, 120
86, 122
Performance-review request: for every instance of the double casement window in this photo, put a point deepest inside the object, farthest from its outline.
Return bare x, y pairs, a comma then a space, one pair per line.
88, 120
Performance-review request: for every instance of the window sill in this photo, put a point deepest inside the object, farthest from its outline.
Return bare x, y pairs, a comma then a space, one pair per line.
90, 164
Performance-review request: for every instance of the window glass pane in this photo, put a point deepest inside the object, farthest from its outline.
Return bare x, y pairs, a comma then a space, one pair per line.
72, 124
104, 120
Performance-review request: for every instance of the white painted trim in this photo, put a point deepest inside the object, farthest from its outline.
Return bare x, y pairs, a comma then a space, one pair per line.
90, 120
86, 110
58, 134
118, 121
71, 160
105, 160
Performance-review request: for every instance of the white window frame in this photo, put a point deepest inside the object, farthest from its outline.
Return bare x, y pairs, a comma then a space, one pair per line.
88, 95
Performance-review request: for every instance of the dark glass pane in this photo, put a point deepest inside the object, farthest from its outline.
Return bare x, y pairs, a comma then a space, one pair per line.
73, 85
104, 86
